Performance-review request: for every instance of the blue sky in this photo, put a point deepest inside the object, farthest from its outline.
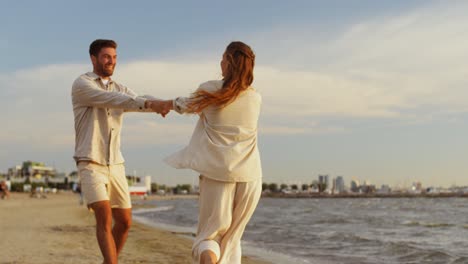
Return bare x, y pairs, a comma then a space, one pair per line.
369, 90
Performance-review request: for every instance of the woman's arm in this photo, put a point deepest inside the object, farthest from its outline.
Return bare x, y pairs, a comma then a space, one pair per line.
180, 105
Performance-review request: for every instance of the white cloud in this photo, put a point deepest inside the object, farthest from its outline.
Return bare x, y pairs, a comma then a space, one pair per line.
150, 130
40, 114
381, 68
376, 67
166, 79
287, 130
294, 94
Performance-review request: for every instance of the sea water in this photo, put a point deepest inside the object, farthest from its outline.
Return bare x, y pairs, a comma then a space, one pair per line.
340, 230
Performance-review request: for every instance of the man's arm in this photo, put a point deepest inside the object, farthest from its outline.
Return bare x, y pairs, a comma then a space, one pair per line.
147, 106
86, 93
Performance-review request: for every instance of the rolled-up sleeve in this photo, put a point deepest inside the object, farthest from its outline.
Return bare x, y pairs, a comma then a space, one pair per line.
180, 105
143, 110
86, 93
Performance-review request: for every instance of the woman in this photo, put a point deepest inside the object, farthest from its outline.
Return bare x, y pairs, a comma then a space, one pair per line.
223, 149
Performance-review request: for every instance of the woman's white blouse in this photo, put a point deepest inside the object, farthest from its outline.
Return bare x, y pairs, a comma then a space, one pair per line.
224, 143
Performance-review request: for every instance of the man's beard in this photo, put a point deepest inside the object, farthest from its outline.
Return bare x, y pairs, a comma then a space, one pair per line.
105, 71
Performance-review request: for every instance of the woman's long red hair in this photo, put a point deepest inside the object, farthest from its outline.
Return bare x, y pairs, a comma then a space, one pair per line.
238, 76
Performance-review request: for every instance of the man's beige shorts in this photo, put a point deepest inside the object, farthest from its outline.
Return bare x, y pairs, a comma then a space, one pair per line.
104, 183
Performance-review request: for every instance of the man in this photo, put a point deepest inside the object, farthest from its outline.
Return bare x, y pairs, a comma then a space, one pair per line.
98, 106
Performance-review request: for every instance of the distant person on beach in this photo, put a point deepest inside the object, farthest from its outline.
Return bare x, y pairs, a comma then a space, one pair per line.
80, 193
4, 192
223, 149
98, 106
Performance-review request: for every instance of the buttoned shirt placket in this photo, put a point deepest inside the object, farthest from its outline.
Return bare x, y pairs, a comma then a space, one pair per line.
108, 88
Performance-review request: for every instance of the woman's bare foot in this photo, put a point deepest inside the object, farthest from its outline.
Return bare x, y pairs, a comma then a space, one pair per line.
208, 257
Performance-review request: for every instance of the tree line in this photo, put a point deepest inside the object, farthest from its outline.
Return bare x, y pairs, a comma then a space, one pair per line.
274, 187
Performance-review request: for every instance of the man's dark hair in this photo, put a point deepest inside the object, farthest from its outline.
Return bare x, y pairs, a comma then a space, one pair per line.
98, 44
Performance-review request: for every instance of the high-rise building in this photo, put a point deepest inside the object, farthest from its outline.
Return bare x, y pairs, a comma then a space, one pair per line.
325, 179
339, 184
355, 186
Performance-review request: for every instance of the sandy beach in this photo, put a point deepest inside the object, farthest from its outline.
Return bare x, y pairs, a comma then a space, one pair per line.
57, 229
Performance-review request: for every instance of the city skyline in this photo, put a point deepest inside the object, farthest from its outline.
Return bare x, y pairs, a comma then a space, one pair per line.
371, 90
41, 172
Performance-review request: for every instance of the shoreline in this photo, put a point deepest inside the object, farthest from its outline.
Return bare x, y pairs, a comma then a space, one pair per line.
360, 196
57, 229
324, 195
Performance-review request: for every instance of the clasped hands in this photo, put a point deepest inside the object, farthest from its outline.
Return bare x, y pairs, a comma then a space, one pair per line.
162, 107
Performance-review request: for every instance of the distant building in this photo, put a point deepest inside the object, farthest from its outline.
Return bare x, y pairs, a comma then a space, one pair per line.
333, 187
32, 170
416, 187
325, 179
368, 188
339, 184
384, 189
432, 190
133, 179
355, 186
14, 172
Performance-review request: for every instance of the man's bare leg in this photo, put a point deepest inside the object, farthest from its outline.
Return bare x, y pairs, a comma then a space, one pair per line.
122, 222
103, 214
